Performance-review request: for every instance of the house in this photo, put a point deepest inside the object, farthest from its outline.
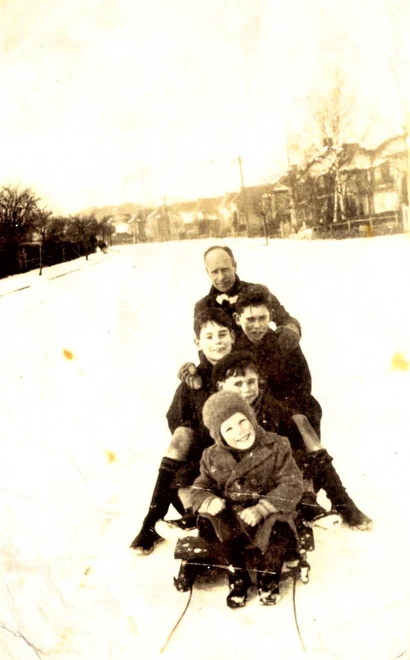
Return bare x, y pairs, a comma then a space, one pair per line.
122, 230
228, 211
137, 224
208, 216
251, 208
157, 225
187, 212
282, 206
388, 173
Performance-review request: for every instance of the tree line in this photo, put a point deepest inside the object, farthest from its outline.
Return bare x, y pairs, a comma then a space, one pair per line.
31, 236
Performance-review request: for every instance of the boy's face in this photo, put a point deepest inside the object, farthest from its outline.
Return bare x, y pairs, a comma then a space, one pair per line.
215, 341
254, 321
247, 386
238, 431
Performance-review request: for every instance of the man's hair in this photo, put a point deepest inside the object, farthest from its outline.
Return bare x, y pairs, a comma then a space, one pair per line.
254, 295
234, 364
212, 315
220, 247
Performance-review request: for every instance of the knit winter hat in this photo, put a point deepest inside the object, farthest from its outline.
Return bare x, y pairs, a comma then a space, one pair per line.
222, 405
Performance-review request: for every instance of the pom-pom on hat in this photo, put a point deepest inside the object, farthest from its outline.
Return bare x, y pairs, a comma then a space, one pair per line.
222, 405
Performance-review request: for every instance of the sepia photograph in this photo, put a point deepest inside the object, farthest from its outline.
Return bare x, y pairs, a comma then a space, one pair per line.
204, 293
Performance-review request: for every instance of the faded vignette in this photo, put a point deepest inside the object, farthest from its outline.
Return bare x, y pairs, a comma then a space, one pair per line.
210, 612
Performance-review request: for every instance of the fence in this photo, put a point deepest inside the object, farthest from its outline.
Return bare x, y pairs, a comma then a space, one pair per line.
406, 217
388, 223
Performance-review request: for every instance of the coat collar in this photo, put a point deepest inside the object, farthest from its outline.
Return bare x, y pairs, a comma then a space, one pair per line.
233, 291
253, 458
257, 455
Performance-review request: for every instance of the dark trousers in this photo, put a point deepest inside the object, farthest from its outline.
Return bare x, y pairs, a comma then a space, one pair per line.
241, 555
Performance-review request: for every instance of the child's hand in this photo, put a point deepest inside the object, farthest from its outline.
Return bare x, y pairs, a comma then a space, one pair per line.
251, 516
188, 374
216, 506
288, 338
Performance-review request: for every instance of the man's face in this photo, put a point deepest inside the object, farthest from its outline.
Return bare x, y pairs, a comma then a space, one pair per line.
246, 386
215, 341
221, 269
238, 431
254, 321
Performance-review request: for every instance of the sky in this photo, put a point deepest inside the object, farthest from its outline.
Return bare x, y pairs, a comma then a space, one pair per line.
111, 101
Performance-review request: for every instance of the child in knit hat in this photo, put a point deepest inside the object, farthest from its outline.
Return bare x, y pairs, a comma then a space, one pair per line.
246, 496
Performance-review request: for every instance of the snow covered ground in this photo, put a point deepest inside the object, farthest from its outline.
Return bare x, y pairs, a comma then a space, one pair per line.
88, 368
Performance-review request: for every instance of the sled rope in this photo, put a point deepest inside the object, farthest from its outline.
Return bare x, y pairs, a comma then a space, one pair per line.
168, 639
295, 615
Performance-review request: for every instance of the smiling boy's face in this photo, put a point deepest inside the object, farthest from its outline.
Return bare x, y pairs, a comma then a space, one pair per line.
238, 432
215, 341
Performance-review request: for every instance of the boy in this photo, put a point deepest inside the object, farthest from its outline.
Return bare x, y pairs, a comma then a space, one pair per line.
247, 492
238, 372
214, 337
287, 377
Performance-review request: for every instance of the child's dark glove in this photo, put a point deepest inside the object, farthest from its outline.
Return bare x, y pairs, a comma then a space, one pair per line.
188, 374
288, 338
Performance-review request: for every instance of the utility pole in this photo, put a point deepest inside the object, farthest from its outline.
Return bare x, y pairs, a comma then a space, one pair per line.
244, 196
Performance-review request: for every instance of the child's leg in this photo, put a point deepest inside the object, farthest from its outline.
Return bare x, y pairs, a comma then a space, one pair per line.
310, 438
239, 580
232, 555
326, 477
308, 507
163, 494
282, 541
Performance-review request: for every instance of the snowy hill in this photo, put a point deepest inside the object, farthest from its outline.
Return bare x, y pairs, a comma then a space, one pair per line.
89, 366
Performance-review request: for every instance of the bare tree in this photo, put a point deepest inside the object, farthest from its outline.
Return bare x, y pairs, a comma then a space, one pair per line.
337, 119
333, 114
398, 12
105, 230
83, 230
42, 224
18, 213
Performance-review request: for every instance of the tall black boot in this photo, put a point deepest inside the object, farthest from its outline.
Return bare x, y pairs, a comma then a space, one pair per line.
328, 479
238, 576
176, 502
162, 496
282, 544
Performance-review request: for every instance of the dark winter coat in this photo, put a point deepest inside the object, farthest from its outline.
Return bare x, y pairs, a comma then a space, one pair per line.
273, 416
186, 411
267, 472
287, 377
279, 314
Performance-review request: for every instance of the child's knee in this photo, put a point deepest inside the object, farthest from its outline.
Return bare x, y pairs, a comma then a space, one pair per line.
181, 443
185, 495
